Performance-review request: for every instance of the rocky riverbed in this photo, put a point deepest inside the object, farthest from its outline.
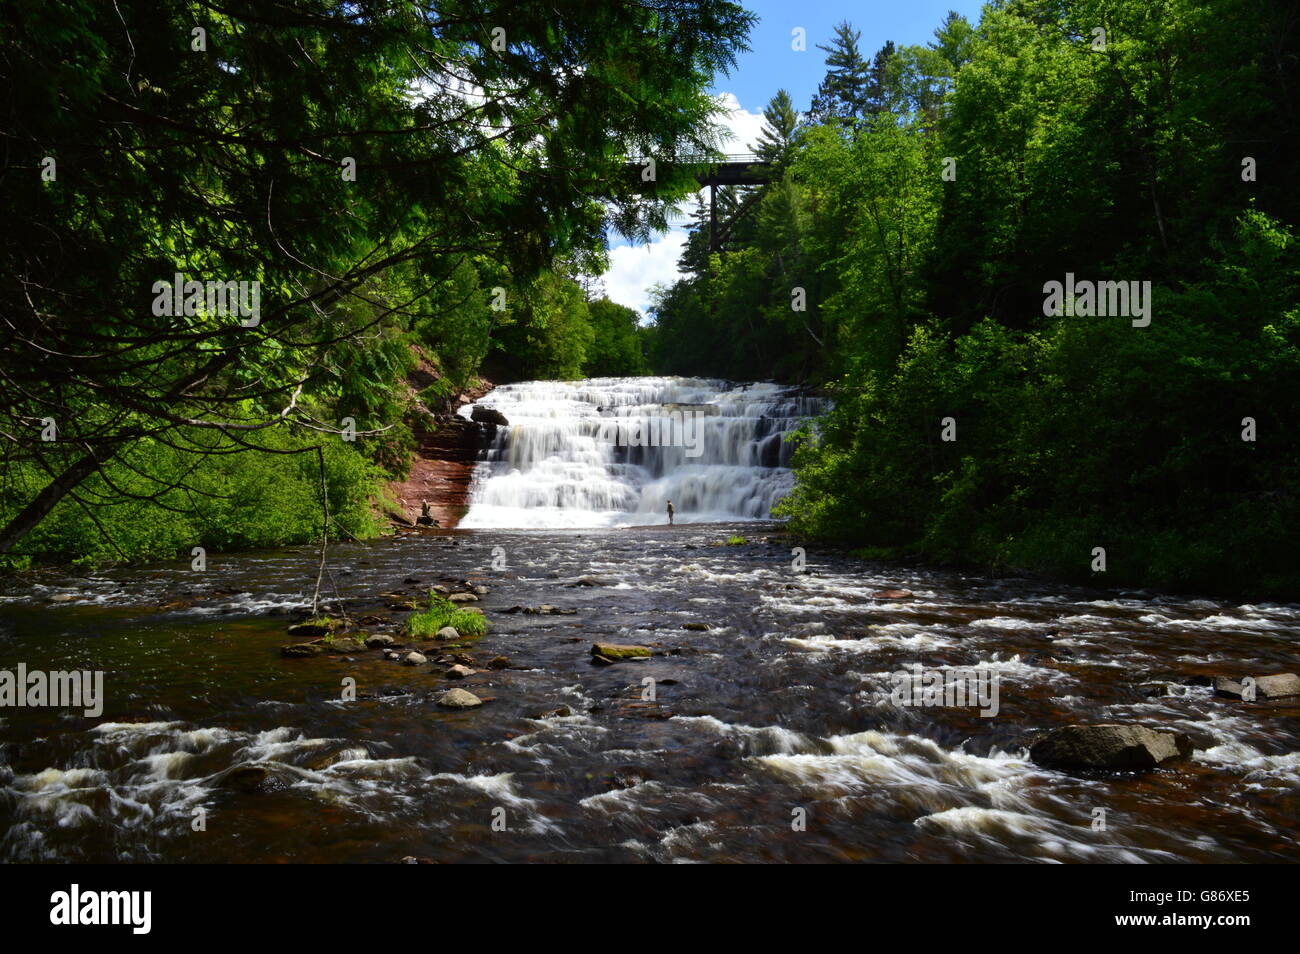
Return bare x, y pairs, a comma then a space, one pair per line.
684, 694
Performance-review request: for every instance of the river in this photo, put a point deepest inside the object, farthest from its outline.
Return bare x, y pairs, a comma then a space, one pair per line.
770, 735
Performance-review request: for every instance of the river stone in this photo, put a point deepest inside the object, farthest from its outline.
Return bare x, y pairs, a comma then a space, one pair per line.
463, 598
488, 415
459, 672
1279, 686
448, 632
616, 651
459, 699
479, 589
892, 595
698, 627
1108, 746
298, 650
414, 659
499, 662
378, 640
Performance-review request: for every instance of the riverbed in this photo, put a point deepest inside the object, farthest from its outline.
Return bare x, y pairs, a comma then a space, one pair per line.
769, 736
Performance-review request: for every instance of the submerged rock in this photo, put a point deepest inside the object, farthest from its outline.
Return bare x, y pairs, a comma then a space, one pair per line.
499, 662
459, 699
1109, 747
299, 650
617, 651
1280, 686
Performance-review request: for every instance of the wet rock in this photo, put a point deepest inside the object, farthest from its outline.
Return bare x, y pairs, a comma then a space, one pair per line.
459, 672
439, 589
373, 620
892, 595
557, 712
488, 415
250, 779
479, 589
698, 627
589, 581
448, 632
379, 640
546, 609
459, 699
462, 659
512, 609
1280, 686
616, 651
391, 654
600, 660
1108, 747
300, 650
63, 597
414, 659
499, 662
321, 626
463, 598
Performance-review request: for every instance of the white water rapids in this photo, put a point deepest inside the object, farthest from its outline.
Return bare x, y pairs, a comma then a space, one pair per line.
611, 452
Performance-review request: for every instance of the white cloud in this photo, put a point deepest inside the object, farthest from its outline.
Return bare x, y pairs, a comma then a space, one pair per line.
633, 269
743, 125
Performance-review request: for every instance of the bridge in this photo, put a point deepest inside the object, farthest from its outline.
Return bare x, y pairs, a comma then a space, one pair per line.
738, 169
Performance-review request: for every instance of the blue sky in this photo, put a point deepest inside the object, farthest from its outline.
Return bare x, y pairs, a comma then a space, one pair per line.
770, 65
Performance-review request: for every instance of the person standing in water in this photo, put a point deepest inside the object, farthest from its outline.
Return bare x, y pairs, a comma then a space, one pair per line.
670, 513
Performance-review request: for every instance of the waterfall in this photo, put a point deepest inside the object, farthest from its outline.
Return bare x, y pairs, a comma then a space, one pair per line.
610, 452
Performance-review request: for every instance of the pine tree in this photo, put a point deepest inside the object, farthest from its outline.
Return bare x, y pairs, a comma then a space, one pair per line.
842, 93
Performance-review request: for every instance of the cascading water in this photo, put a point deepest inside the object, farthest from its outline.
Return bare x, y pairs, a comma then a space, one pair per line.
609, 452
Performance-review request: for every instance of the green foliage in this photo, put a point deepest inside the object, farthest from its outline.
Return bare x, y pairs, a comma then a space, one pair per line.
925, 201
442, 612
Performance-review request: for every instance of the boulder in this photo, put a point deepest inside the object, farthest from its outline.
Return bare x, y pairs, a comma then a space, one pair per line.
617, 651
459, 672
499, 662
1108, 747
488, 415
1279, 686
414, 659
463, 598
459, 699
479, 589
448, 632
379, 640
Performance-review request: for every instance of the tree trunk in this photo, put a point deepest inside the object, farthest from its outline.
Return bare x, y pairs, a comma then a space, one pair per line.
44, 502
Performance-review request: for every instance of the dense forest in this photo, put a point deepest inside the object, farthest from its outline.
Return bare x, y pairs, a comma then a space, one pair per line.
392, 176
930, 195
398, 177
